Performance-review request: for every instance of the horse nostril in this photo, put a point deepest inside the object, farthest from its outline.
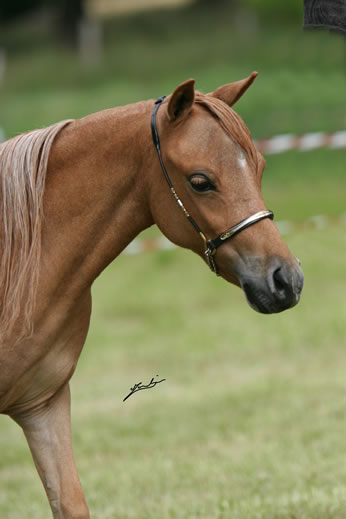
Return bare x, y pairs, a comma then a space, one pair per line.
280, 281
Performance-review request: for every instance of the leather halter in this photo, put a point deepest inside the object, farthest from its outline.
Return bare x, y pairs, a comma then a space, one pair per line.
209, 245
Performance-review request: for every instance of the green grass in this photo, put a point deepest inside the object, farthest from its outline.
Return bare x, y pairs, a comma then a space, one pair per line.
250, 421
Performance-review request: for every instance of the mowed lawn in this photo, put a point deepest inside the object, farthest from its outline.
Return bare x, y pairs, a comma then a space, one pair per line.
250, 421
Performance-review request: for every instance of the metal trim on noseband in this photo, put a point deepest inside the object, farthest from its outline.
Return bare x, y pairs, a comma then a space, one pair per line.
210, 245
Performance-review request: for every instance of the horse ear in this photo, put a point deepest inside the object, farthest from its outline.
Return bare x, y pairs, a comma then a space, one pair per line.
181, 101
233, 91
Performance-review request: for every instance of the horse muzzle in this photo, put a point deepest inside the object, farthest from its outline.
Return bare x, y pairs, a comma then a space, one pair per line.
274, 289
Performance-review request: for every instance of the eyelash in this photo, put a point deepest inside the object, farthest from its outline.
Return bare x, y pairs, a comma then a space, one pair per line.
203, 186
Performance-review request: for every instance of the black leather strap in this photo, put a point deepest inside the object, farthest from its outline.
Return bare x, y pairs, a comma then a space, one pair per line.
156, 140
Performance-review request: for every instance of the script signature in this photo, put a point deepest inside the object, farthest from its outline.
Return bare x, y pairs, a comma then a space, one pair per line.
139, 386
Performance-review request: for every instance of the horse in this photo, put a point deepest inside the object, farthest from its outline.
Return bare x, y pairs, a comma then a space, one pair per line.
74, 195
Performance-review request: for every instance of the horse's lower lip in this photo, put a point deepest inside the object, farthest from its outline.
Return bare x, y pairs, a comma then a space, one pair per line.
264, 301
267, 306
263, 304
260, 301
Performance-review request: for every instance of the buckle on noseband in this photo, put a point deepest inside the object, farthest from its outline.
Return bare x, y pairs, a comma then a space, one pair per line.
209, 255
209, 245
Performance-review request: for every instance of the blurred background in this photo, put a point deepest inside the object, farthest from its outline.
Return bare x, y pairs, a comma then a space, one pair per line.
250, 422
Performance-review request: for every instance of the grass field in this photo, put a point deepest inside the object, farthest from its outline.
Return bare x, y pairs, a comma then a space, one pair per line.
250, 422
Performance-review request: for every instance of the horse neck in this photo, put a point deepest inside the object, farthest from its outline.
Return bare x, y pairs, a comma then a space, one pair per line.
96, 190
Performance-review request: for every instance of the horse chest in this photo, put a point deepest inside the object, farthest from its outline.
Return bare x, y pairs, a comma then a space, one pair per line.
37, 368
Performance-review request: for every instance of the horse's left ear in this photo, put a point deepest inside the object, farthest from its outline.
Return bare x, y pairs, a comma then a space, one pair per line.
233, 91
181, 101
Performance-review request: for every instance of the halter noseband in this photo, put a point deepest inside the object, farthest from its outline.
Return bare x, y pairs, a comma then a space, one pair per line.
210, 245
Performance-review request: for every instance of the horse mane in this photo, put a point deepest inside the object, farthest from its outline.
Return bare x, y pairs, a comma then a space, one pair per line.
23, 168
232, 124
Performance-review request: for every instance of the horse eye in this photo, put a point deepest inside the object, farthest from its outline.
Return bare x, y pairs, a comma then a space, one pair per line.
201, 183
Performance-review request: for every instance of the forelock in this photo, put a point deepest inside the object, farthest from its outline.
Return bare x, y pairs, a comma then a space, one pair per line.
231, 123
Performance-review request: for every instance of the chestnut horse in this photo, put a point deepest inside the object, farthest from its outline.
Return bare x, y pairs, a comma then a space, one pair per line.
73, 197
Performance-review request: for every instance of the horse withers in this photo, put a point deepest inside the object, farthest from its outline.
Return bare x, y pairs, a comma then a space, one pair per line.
74, 195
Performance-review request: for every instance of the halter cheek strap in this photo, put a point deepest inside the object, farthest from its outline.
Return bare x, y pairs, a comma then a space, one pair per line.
210, 246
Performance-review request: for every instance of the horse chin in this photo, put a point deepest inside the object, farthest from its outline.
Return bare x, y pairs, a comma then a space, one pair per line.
263, 302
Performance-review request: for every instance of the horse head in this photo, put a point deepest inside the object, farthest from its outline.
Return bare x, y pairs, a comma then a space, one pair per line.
214, 172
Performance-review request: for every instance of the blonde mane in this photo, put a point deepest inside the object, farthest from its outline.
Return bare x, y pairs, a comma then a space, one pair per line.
232, 123
23, 168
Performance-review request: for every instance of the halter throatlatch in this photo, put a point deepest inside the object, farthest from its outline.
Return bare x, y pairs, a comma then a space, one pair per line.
209, 245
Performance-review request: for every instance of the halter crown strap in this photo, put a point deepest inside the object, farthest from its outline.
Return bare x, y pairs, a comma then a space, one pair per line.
210, 245
156, 140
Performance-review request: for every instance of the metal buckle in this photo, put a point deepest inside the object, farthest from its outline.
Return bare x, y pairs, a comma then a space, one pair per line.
209, 254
